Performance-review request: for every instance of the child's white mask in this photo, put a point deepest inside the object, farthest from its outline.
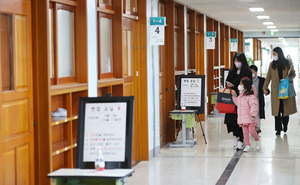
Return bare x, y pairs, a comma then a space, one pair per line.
240, 88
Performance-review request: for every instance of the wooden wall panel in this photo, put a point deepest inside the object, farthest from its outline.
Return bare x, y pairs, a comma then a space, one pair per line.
143, 97
216, 50
232, 36
227, 49
170, 72
41, 85
210, 67
81, 42
117, 38
192, 54
255, 49
222, 44
240, 41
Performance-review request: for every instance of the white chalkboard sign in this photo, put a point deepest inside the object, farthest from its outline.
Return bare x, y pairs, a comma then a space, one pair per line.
105, 126
105, 122
191, 92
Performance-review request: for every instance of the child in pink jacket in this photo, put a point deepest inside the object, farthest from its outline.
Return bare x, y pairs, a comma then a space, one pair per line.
247, 111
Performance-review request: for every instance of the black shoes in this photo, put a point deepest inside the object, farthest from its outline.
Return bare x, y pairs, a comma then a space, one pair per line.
278, 133
284, 128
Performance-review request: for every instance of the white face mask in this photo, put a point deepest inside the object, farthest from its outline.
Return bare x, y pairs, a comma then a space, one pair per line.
240, 88
253, 75
275, 58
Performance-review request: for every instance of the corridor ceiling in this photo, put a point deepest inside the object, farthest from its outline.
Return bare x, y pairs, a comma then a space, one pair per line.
285, 14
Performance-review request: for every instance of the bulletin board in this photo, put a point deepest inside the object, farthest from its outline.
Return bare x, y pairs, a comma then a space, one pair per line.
106, 122
191, 92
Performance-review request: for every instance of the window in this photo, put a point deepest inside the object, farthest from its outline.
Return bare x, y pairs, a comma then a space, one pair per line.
128, 50
188, 51
62, 46
176, 49
107, 4
6, 52
105, 46
130, 6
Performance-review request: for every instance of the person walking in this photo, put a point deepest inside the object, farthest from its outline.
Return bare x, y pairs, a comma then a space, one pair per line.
247, 108
281, 109
258, 83
239, 70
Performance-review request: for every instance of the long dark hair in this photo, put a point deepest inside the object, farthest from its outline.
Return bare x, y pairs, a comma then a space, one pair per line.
282, 62
239, 56
247, 86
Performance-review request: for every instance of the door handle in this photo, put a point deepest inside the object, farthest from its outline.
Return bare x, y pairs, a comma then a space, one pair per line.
166, 89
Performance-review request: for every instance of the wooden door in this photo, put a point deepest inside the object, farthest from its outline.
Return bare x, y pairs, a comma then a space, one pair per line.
16, 131
131, 87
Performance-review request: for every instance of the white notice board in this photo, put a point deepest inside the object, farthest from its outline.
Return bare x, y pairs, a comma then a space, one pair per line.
191, 92
105, 126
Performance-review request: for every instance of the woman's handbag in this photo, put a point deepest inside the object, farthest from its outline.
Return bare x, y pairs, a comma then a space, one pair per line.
292, 92
225, 103
286, 88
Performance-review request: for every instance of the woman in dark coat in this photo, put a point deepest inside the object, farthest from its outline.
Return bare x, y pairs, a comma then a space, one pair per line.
278, 70
240, 70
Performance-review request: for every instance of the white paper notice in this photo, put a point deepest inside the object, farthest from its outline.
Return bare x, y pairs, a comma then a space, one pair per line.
210, 43
105, 126
225, 77
157, 35
191, 92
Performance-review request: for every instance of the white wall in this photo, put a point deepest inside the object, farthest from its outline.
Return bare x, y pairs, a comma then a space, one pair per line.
153, 84
92, 47
250, 53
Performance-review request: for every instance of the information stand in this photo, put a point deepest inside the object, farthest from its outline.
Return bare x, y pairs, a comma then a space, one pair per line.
106, 122
191, 94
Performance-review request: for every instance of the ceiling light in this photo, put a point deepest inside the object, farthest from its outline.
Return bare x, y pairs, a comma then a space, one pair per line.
256, 9
274, 30
268, 23
263, 17
271, 26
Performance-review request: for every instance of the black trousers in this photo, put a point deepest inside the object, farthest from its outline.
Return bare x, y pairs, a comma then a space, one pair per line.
280, 120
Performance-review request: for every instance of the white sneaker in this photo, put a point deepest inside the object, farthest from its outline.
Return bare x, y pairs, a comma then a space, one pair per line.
60, 112
258, 144
240, 145
247, 148
235, 141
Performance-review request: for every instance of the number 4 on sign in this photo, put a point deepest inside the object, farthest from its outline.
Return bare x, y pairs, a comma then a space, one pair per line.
157, 30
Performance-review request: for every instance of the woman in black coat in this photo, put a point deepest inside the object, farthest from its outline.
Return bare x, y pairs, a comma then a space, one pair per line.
240, 70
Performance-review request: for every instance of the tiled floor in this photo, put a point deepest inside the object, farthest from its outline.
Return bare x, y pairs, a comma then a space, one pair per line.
277, 162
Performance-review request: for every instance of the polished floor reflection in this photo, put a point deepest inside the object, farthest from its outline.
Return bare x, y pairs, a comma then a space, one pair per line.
277, 162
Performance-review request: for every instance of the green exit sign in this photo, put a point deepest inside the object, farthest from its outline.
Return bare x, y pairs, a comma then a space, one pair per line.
272, 33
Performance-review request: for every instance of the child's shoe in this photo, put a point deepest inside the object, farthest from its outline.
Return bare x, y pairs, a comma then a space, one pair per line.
258, 144
247, 148
240, 145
